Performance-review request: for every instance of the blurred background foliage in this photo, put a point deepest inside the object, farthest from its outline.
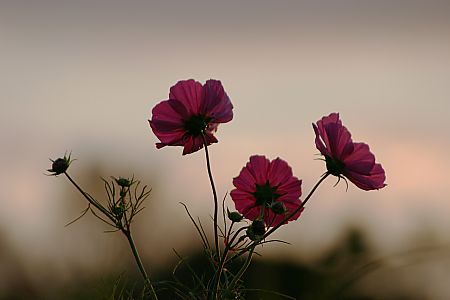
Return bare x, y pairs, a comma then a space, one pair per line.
349, 269
342, 272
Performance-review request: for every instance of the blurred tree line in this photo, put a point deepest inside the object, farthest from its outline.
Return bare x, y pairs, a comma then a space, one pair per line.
335, 275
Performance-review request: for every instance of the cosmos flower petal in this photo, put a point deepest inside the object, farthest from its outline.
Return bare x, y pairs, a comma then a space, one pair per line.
245, 200
323, 128
338, 138
260, 184
192, 145
168, 124
216, 103
344, 157
279, 172
171, 139
291, 190
361, 160
374, 181
245, 181
378, 176
190, 111
252, 212
258, 166
332, 118
188, 92
291, 207
195, 143
319, 142
169, 112
343, 143
178, 107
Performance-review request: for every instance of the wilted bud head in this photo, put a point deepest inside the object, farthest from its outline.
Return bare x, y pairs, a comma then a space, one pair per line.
123, 182
278, 208
234, 216
60, 165
258, 226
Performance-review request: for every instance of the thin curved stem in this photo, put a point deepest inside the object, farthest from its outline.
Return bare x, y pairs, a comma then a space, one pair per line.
126, 231
90, 199
147, 281
244, 268
298, 208
222, 260
213, 187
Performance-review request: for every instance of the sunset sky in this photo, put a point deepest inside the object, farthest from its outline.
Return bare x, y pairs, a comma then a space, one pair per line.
83, 76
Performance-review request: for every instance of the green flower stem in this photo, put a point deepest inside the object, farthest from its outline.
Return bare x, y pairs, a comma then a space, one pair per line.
218, 274
211, 180
235, 235
126, 232
90, 199
147, 281
244, 267
299, 208
123, 193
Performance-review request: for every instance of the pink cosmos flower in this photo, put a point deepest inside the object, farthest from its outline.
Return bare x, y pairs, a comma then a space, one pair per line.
191, 111
267, 189
344, 157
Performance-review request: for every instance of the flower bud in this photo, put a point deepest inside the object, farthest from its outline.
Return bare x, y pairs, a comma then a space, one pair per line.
256, 230
278, 208
123, 182
60, 165
234, 216
258, 226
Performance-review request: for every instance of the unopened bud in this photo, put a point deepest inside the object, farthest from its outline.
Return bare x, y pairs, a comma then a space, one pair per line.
234, 216
255, 232
60, 165
123, 182
278, 208
258, 226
